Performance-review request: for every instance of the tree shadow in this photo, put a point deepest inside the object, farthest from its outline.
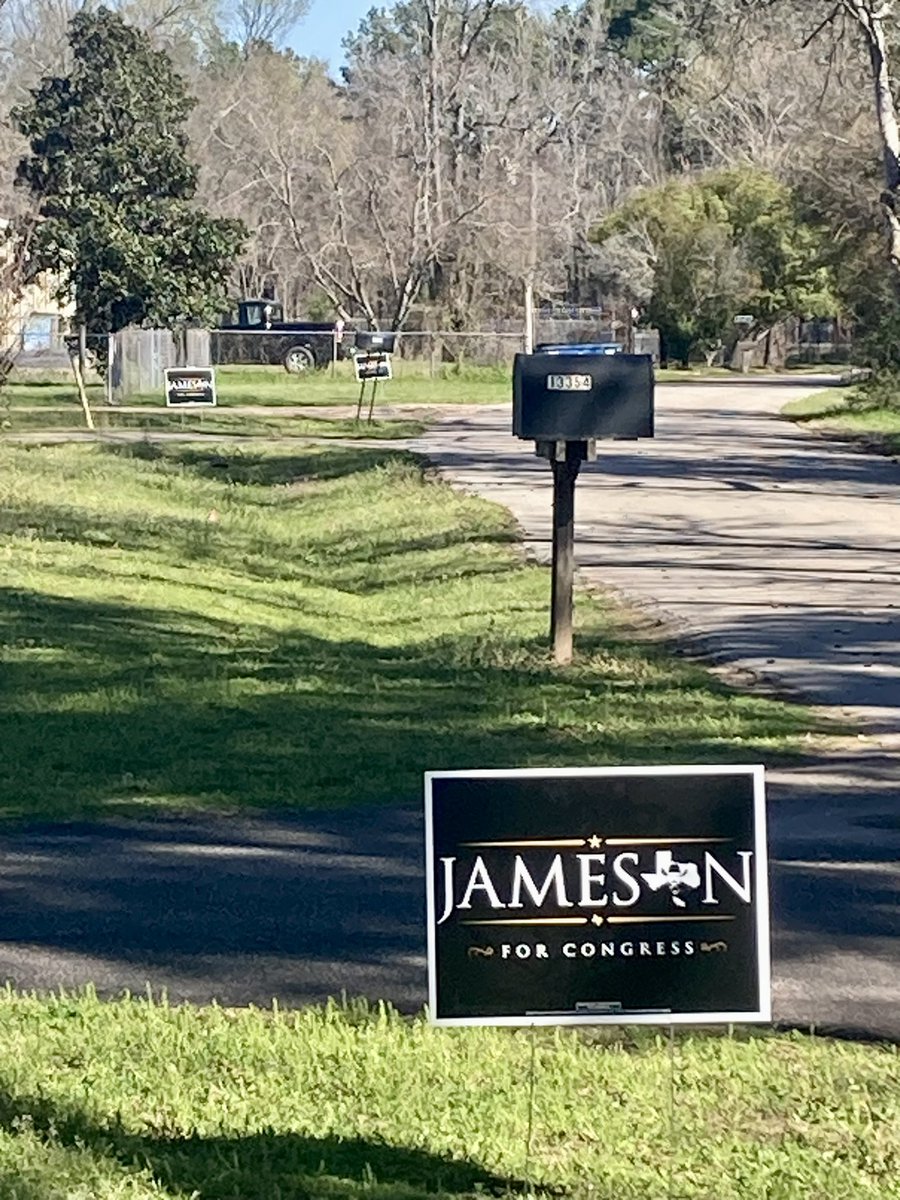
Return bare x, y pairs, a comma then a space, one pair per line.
313, 749
256, 1166
779, 454
243, 467
799, 379
105, 725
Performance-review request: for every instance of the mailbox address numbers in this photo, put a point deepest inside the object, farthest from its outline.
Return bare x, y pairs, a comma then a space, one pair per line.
569, 383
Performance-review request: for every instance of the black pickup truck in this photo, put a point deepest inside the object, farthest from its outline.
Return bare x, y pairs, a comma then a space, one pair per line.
262, 336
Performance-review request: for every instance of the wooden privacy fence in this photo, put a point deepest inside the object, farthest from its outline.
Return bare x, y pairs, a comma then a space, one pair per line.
138, 359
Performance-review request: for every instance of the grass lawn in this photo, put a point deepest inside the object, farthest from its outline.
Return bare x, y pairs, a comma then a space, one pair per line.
412, 384
208, 422
139, 1100
850, 412
185, 628
274, 386
692, 374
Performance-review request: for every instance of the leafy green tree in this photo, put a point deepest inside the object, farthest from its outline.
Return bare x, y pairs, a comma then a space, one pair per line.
719, 244
650, 33
109, 172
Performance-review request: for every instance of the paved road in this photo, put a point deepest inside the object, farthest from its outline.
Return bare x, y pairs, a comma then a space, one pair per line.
243, 910
778, 554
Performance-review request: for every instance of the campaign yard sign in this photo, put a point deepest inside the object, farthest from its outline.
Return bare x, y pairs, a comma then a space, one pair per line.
190, 387
617, 895
372, 364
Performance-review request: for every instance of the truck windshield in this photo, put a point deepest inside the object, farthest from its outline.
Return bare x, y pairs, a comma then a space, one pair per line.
259, 312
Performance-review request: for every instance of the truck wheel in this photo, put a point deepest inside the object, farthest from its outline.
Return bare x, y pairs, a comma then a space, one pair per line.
299, 359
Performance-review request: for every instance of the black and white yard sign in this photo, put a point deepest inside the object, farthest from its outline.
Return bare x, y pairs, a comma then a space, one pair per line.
372, 364
190, 387
620, 895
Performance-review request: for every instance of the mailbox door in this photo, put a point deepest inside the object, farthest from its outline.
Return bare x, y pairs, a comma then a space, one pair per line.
576, 397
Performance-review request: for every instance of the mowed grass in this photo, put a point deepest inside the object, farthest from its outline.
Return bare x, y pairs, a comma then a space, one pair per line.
209, 423
850, 412
135, 1099
189, 628
413, 383
273, 386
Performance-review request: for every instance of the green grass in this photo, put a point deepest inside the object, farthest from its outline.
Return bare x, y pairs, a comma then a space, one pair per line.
137, 1100
187, 628
273, 386
208, 422
412, 384
692, 374
700, 371
851, 412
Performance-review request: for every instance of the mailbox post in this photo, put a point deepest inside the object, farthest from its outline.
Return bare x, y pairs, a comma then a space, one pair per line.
565, 399
565, 472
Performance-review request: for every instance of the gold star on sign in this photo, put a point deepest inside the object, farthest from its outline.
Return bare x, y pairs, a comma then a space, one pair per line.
595, 842
597, 920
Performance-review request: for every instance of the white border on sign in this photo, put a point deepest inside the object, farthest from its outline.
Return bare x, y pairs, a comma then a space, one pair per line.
763, 1011
192, 403
384, 357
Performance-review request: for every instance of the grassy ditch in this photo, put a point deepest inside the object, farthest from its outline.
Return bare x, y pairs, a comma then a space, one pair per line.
208, 423
135, 1099
855, 412
185, 628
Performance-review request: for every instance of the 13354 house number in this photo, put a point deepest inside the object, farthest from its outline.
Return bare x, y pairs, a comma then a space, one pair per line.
569, 383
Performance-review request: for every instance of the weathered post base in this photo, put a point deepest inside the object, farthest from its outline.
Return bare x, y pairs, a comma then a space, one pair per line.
565, 460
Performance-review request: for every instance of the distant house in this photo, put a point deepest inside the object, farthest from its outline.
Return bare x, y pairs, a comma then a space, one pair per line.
32, 320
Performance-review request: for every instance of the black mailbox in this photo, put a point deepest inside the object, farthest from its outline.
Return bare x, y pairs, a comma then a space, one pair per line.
577, 397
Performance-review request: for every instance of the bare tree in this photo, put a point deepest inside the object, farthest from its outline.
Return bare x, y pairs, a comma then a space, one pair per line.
833, 25
870, 19
251, 21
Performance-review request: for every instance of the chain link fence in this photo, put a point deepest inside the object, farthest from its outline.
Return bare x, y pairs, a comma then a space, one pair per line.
435, 352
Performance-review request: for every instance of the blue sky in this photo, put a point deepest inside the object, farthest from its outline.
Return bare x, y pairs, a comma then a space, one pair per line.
322, 30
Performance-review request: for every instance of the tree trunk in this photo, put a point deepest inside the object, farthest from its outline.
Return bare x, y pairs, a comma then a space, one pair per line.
871, 21
777, 347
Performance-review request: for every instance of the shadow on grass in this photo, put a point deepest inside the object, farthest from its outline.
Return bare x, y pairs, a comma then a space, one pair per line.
357, 557
126, 703
819, 414
109, 707
254, 1167
270, 470
357, 560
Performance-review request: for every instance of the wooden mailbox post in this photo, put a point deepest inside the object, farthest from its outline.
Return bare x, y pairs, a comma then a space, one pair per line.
565, 399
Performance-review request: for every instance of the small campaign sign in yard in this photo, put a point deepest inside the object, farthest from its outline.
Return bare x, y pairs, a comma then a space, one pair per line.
190, 387
373, 364
617, 895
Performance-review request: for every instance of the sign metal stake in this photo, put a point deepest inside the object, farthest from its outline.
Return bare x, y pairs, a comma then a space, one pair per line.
532, 1071
372, 399
670, 1180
